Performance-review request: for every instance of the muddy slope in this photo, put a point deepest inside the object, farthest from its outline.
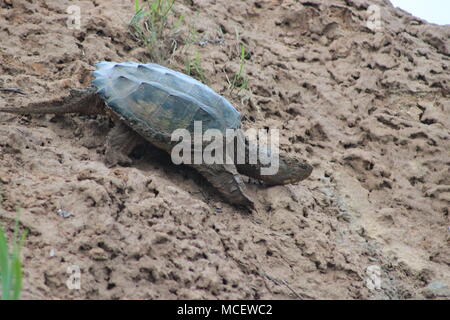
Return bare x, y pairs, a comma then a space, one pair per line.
369, 109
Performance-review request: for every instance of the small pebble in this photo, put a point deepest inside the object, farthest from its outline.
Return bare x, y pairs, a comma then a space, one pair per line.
64, 214
437, 289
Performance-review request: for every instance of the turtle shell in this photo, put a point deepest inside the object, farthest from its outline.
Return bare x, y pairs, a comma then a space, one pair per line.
155, 100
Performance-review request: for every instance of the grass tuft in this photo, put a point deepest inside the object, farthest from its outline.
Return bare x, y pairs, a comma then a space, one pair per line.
10, 264
155, 26
239, 80
193, 67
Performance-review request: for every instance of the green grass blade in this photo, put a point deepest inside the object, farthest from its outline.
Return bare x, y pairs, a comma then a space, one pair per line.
10, 264
16, 267
16, 274
4, 265
136, 6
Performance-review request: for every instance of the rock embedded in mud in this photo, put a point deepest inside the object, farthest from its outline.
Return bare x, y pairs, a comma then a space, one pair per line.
437, 289
98, 254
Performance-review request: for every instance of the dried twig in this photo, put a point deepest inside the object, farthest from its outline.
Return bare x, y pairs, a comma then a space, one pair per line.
283, 282
14, 90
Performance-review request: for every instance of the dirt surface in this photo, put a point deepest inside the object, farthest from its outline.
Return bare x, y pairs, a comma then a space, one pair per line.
370, 110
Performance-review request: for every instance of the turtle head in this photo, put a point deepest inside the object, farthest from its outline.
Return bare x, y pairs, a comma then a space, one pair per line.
293, 170
290, 170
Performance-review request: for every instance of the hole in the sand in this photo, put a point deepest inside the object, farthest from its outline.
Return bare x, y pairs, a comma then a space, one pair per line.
350, 145
369, 166
223, 29
111, 286
386, 184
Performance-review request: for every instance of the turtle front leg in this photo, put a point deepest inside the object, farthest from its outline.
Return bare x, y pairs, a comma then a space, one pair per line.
226, 179
120, 142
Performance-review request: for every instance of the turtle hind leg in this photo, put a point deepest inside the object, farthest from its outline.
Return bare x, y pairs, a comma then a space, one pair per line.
120, 142
84, 101
226, 179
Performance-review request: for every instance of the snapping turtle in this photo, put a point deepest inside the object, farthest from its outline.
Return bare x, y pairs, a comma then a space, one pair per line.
150, 101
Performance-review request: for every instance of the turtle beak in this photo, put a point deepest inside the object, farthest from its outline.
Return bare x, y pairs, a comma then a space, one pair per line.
304, 171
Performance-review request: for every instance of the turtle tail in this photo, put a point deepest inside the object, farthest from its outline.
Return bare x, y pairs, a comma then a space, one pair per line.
83, 101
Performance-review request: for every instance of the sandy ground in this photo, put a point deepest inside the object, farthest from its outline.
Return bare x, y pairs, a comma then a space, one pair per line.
369, 109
